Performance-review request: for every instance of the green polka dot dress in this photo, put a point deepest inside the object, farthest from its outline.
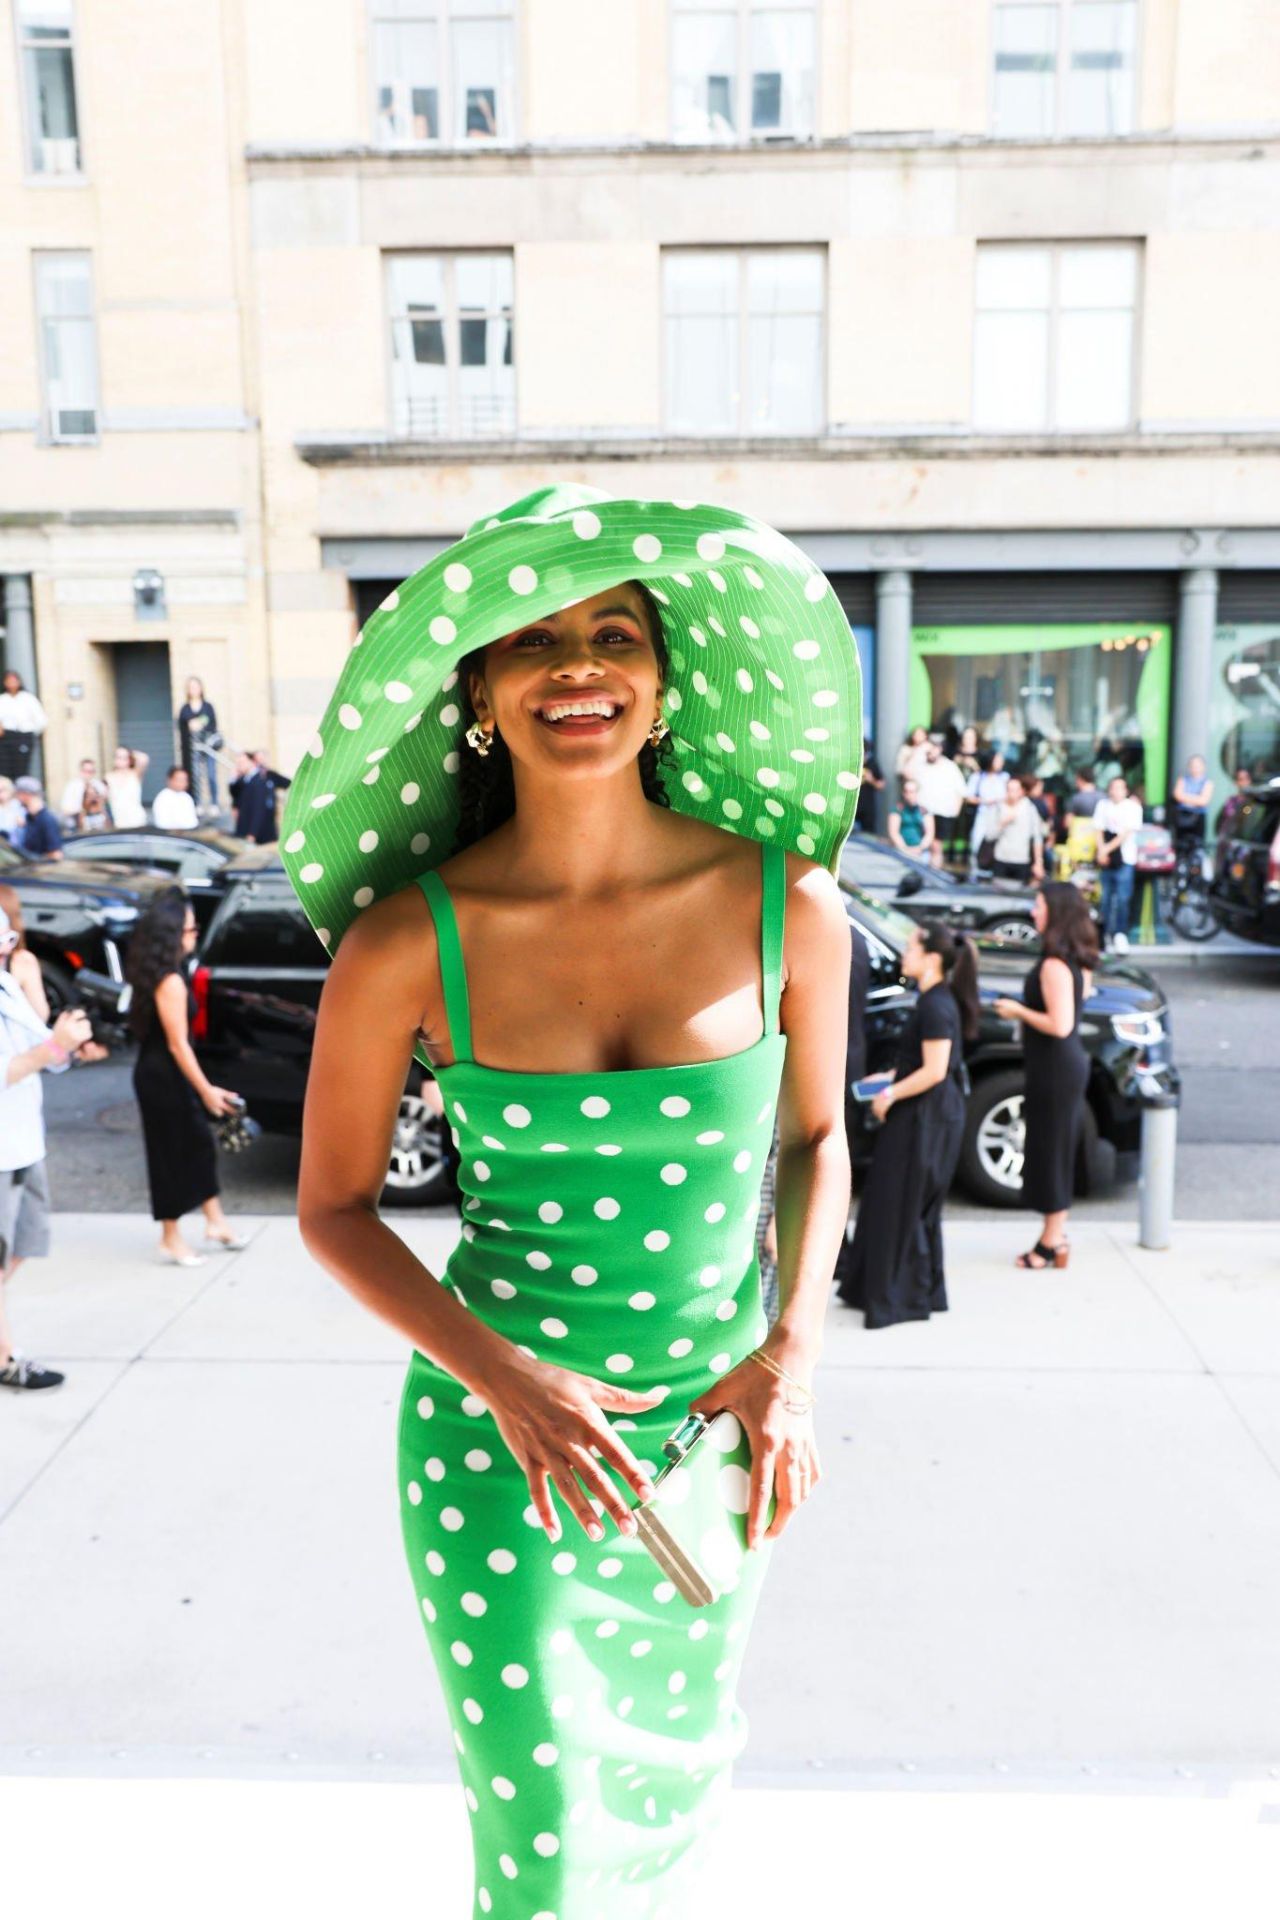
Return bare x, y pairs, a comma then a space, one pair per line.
609, 1226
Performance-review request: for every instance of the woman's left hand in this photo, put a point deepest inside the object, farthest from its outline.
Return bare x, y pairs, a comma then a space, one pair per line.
784, 1452
91, 1051
881, 1104
1008, 1009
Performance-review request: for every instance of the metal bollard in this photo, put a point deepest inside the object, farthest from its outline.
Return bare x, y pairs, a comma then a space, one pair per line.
1155, 1186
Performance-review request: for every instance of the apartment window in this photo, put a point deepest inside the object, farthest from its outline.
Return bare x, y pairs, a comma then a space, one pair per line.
68, 349
1064, 67
444, 71
452, 363
742, 69
49, 86
1054, 338
744, 340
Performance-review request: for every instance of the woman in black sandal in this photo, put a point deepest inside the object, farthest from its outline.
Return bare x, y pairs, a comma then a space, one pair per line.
1057, 1066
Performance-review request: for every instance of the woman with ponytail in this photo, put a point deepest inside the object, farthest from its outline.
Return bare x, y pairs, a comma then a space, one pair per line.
1057, 1066
894, 1270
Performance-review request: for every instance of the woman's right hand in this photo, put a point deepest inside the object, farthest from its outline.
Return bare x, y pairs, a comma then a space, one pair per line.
71, 1029
220, 1101
552, 1419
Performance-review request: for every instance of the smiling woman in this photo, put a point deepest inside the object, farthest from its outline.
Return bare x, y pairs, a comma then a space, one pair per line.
616, 996
624, 632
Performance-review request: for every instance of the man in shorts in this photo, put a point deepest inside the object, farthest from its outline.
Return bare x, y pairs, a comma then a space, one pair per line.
27, 1049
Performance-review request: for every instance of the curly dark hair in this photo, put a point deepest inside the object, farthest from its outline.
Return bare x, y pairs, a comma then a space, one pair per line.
155, 949
486, 787
1069, 932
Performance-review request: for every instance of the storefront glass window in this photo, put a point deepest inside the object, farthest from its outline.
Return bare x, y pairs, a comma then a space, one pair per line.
1244, 706
1052, 699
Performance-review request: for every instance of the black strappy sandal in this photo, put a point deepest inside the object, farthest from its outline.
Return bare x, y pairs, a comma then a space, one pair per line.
1049, 1257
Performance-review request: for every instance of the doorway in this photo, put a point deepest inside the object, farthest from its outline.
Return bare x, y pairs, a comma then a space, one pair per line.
144, 709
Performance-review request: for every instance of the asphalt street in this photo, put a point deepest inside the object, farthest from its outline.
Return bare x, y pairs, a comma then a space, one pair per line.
1226, 1028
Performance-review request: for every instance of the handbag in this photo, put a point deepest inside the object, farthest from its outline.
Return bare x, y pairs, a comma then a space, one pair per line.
695, 1522
236, 1131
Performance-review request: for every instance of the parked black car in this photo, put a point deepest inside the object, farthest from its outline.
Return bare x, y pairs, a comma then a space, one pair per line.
196, 858
998, 908
257, 980
260, 970
78, 916
1245, 891
1124, 1025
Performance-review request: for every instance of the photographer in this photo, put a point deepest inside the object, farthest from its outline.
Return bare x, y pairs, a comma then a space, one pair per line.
28, 1048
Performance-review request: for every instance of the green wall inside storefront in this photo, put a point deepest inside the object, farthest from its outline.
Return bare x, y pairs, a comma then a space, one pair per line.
1154, 684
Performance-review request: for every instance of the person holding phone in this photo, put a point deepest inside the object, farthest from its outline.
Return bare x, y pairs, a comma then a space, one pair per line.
29, 1048
174, 1094
895, 1268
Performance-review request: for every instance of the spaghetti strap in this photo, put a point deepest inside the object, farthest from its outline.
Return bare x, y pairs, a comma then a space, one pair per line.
773, 911
453, 973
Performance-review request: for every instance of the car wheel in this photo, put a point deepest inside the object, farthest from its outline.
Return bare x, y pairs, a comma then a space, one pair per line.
994, 1139
59, 987
1012, 928
418, 1173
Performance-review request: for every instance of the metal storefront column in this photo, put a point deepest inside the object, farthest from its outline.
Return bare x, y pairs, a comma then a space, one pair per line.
893, 677
20, 645
1192, 667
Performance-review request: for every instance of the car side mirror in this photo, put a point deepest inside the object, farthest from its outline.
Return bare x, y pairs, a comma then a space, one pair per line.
910, 883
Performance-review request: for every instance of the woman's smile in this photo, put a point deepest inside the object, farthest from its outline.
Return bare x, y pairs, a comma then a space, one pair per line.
589, 714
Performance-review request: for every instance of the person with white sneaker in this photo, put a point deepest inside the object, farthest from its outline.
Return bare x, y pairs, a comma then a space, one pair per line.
1116, 821
28, 1048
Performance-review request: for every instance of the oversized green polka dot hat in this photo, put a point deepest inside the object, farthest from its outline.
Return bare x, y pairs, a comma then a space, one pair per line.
763, 694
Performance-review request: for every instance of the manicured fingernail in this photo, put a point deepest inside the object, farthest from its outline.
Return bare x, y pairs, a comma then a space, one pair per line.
596, 1530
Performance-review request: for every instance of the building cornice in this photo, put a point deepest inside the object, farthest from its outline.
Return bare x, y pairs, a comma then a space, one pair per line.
369, 449
1236, 142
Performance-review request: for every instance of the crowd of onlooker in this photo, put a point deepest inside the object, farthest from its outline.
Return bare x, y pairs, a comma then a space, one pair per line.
93, 802
954, 802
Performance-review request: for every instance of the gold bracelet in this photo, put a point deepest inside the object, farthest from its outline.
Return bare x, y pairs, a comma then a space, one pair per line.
770, 1365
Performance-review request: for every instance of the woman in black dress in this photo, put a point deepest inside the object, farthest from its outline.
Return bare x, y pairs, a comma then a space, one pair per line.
1057, 1066
198, 737
894, 1268
174, 1094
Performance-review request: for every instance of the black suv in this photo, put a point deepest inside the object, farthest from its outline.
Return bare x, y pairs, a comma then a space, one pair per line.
78, 915
260, 970
1245, 893
1124, 1025
257, 982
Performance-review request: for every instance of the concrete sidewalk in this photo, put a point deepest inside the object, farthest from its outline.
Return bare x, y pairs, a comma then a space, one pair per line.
1029, 1616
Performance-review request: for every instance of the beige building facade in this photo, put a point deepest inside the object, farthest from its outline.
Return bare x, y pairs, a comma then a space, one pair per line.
977, 301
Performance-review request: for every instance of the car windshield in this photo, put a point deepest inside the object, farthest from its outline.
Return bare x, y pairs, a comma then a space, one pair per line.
868, 861
894, 928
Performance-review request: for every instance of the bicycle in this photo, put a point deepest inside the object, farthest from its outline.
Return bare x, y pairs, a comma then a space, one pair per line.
1186, 899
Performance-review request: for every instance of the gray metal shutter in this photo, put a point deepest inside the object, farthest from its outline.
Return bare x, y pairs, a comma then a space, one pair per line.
985, 599
1244, 597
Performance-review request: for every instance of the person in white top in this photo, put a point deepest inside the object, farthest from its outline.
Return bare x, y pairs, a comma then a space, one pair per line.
28, 1047
911, 754
173, 808
1116, 821
124, 784
942, 791
22, 721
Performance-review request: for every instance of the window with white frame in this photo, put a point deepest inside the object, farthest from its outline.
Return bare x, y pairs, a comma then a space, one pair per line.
742, 69
47, 51
1064, 67
1054, 337
452, 358
443, 71
68, 347
744, 340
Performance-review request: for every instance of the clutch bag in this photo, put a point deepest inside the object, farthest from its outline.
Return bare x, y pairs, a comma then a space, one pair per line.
695, 1522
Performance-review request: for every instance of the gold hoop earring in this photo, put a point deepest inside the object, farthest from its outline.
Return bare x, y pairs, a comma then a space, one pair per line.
477, 737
